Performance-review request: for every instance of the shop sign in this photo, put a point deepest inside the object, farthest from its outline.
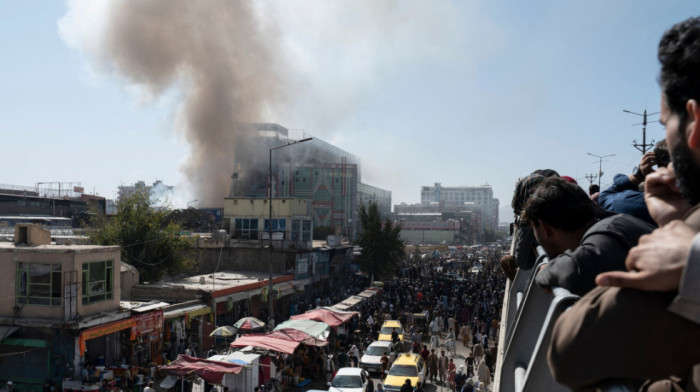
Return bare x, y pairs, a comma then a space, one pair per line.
148, 322
106, 329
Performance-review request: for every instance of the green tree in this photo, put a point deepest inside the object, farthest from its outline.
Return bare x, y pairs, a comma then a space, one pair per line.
322, 232
382, 247
149, 240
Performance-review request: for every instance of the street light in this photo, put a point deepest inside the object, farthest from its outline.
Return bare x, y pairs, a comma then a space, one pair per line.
271, 313
600, 164
190, 202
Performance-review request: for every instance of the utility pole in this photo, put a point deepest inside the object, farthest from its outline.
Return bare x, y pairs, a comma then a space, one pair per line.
270, 303
600, 164
591, 177
644, 146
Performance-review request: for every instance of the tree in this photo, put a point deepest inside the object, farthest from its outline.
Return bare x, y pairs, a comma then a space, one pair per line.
322, 232
382, 247
149, 240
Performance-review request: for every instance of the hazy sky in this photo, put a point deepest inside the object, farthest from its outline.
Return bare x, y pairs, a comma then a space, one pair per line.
457, 92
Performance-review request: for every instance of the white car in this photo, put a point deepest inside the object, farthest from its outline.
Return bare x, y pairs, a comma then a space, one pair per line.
349, 379
370, 361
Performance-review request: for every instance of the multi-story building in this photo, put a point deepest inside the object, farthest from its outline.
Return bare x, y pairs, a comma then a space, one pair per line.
59, 304
314, 170
158, 190
480, 196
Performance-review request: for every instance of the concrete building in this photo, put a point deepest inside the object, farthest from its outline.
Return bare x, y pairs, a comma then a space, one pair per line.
315, 170
480, 196
55, 300
158, 190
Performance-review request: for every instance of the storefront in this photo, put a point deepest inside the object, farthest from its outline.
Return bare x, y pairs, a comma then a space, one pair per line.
232, 307
99, 345
186, 326
147, 346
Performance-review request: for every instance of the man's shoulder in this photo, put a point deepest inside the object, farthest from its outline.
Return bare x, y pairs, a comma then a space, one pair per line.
620, 223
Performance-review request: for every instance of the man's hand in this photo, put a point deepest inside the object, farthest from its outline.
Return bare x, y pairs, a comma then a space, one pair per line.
657, 262
646, 165
663, 198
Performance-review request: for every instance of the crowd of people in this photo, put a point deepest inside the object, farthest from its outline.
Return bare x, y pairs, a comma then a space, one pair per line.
630, 251
438, 312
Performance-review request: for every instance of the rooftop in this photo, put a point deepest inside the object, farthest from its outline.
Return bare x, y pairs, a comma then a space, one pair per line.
11, 247
212, 282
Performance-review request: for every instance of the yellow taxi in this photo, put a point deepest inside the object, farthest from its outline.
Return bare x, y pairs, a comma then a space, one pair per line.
388, 327
407, 366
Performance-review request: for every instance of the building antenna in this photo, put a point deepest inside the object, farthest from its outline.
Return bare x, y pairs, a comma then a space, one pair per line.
644, 146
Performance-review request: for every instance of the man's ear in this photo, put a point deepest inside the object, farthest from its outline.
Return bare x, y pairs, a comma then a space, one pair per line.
692, 129
545, 230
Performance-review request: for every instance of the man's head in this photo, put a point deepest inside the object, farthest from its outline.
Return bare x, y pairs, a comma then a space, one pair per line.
593, 188
558, 211
679, 55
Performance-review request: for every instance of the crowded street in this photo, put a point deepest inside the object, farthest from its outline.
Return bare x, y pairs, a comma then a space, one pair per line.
436, 323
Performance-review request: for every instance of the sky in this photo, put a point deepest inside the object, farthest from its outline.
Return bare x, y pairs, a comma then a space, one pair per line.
456, 92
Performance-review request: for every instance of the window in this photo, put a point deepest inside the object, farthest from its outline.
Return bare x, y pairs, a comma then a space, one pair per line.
277, 225
38, 284
306, 230
246, 229
296, 228
97, 281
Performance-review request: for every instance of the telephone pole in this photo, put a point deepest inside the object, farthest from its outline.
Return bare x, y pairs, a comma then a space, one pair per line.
644, 146
591, 177
600, 164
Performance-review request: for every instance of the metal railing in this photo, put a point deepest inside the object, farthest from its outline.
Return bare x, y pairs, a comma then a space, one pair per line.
530, 316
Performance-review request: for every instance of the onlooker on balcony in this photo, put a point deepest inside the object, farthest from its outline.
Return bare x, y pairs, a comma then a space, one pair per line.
580, 245
646, 325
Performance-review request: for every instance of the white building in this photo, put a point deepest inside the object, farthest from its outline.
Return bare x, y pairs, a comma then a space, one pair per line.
481, 196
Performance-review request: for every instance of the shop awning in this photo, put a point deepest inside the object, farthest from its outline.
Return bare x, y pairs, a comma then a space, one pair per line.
238, 296
330, 316
267, 342
106, 329
367, 294
298, 336
190, 311
211, 371
317, 329
279, 290
352, 301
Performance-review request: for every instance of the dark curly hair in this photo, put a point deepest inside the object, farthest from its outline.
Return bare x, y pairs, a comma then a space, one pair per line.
679, 55
562, 204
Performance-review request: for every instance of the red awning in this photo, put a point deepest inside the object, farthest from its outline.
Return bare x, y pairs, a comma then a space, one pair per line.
298, 336
283, 345
325, 315
212, 371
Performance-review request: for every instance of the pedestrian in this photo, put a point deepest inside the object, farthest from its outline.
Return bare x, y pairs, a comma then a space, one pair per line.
451, 372
330, 368
442, 366
434, 342
370, 385
465, 335
149, 388
432, 365
406, 387
483, 374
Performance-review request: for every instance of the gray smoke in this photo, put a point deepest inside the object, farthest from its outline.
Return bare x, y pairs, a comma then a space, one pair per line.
221, 57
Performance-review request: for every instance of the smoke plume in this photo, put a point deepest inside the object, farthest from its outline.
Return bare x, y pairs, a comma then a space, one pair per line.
219, 54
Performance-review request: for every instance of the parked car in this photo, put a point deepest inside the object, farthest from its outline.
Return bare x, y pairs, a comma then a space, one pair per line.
349, 379
388, 327
407, 366
370, 361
